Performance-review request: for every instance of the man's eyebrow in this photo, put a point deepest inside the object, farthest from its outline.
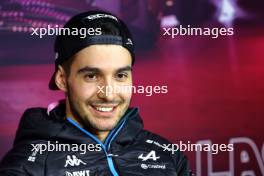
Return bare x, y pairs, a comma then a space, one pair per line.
127, 68
97, 70
88, 69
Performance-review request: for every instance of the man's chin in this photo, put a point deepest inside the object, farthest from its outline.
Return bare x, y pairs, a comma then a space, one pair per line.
104, 128
103, 125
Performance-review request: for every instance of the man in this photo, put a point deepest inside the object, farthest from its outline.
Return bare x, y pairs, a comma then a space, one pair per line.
91, 115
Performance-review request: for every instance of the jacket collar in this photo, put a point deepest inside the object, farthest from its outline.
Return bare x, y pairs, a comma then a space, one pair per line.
122, 135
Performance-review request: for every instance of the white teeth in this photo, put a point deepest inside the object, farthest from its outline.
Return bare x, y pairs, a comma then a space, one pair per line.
104, 109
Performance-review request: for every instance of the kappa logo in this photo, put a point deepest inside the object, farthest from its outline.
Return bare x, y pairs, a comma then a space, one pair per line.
78, 173
73, 161
150, 155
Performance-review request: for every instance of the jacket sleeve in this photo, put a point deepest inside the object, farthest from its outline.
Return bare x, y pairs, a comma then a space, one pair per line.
15, 162
19, 161
182, 164
23, 160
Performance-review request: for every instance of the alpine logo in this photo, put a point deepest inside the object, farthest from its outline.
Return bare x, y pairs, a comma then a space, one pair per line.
150, 155
78, 173
129, 42
73, 161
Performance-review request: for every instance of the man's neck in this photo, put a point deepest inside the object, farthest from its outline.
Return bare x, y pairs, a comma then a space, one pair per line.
101, 135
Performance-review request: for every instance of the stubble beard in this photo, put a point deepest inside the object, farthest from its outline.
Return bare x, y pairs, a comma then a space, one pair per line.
88, 123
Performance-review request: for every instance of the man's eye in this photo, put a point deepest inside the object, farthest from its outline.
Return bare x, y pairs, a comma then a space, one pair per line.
122, 76
90, 76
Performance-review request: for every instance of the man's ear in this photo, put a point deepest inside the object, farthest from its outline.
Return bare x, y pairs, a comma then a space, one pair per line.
61, 78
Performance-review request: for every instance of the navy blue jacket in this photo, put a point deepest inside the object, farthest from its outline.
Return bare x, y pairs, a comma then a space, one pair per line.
129, 150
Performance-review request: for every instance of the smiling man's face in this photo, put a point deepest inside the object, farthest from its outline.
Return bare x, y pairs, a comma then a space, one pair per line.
92, 70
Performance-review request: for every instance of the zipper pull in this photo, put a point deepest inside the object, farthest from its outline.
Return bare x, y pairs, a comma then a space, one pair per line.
111, 155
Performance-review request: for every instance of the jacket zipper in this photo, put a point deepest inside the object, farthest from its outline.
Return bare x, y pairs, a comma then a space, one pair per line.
108, 141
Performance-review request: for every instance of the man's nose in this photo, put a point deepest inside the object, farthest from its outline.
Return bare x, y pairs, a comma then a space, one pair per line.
106, 89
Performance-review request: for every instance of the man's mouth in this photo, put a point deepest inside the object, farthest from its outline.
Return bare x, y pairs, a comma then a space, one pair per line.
104, 109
